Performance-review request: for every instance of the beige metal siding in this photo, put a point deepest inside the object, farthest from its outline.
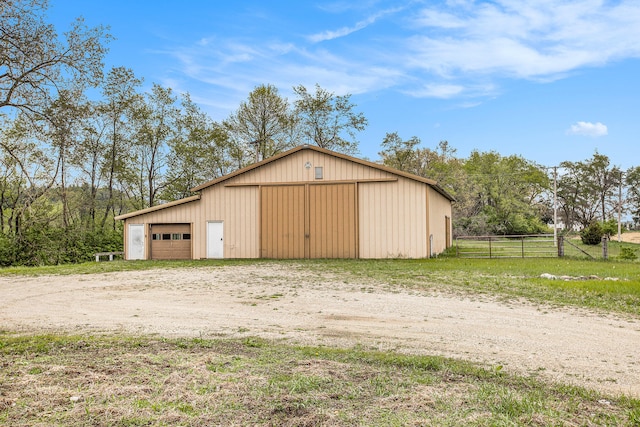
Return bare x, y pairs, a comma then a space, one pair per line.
238, 208
292, 169
392, 219
332, 221
187, 213
241, 218
358, 211
439, 225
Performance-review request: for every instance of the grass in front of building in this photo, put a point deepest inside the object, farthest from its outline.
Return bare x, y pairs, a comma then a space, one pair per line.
136, 381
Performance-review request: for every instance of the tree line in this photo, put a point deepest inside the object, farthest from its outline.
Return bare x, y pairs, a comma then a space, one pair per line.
507, 195
80, 145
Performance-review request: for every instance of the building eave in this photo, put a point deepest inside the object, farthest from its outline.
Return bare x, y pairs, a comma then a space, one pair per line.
158, 207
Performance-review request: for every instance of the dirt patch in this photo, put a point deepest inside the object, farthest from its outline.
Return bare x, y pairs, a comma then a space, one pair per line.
630, 237
283, 302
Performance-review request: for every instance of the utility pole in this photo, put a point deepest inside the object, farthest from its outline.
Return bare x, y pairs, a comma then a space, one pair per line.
555, 206
620, 209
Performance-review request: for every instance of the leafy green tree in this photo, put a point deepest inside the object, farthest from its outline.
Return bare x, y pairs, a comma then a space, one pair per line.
262, 126
587, 190
592, 234
35, 63
29, 172
88, 158
632, 180
155, 119
401, 154
509, 193
328, 120
66, 115
199, 153
120, 93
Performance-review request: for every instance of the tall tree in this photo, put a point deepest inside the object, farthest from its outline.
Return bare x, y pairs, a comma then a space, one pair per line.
32, 170
509, 192
199, 153
120, 95
156, 122
262, 127
88, 158
400, 154
328, 120
632, 180
35, 63
586, 190
66, 114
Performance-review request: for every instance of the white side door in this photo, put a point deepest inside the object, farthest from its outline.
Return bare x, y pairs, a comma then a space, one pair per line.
215, 239
135, 242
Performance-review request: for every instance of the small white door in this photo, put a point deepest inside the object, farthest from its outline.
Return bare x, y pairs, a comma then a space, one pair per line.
135, 242
215, 241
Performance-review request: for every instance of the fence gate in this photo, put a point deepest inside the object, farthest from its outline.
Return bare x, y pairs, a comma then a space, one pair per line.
520, 246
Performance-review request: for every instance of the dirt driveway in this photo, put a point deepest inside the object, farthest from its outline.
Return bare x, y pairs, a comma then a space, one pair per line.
285, 302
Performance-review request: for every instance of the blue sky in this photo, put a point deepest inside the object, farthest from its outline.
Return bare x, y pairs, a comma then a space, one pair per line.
547, 80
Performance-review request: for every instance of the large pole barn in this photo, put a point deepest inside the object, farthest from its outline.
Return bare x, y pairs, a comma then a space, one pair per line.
307, 202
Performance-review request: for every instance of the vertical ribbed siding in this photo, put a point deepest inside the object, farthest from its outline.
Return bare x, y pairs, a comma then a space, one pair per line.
241, 222
392, 219
282, 221
439, 210
332, 221
292, 169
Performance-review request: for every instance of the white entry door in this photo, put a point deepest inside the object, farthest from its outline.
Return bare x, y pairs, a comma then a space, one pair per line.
215, 242
135, 242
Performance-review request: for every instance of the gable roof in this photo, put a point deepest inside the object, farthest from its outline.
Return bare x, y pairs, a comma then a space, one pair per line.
299, 148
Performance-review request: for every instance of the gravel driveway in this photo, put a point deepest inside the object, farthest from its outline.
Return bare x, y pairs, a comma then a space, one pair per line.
285, 302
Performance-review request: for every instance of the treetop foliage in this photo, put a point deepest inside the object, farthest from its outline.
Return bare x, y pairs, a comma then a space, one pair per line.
35, 64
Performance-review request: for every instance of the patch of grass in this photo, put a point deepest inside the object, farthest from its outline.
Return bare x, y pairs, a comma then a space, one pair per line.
509, 279
118, 380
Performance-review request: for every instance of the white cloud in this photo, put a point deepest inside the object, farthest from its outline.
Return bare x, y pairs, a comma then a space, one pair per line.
588, 129
345, 31
533, 39
455, 49
443, 91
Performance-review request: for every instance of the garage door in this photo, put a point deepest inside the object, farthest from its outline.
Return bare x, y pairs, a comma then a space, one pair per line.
314, 221
332, 221
282, 221
171, 241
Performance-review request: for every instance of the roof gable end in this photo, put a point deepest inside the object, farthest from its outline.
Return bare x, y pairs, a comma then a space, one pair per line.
277, 157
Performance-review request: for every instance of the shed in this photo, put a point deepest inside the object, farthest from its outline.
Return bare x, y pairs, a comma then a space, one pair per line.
307, 202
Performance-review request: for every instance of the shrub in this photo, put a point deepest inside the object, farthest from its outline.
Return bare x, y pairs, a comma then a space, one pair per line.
628, 254
592, 234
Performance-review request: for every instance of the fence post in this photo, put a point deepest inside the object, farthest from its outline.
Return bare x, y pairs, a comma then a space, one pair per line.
522, 241
560, 246
605, 247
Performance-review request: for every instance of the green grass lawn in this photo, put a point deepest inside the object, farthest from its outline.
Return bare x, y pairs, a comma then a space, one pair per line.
144, 381
135, 381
